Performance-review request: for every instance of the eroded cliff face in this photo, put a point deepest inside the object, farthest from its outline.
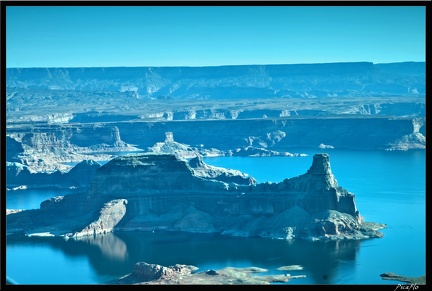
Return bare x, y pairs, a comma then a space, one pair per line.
161, 192
374, 133
47, 148
43, 148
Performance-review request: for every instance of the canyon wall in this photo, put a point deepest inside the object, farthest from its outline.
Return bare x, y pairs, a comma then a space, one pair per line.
282, 133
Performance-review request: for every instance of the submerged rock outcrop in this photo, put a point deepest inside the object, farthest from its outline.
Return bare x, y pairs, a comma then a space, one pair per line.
162, 192
154, 274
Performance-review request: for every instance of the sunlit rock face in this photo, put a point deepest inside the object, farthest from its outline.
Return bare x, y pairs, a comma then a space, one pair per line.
204, 170
162, 192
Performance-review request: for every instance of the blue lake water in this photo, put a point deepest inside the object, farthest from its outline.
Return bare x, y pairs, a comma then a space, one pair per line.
390, 187
31, 198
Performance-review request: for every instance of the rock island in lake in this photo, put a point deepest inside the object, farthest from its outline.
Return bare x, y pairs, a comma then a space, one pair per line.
147, 192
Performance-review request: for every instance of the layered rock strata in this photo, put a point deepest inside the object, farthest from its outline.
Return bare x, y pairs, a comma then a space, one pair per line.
161, 192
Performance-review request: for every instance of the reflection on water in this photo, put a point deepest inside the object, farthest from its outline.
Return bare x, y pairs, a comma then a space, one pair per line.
113, 255
110, 245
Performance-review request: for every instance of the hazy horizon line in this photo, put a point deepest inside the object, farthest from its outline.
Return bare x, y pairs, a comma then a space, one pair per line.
232, 65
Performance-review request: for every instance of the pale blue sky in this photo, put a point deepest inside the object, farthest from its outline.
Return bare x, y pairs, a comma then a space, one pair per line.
104, 36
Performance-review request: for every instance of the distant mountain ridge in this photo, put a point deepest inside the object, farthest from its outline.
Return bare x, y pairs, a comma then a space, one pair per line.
236, 81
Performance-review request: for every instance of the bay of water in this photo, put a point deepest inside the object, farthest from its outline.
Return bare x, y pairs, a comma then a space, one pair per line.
390, 187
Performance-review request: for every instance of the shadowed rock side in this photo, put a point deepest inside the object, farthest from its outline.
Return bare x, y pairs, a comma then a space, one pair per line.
80, 176
161, 192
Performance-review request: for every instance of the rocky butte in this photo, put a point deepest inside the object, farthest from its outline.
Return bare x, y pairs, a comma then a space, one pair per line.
146, 192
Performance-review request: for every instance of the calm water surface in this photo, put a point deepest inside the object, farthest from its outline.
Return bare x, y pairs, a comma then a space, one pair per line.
389, 188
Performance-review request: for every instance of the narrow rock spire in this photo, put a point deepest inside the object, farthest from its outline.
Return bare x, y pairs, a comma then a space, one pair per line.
320, 165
